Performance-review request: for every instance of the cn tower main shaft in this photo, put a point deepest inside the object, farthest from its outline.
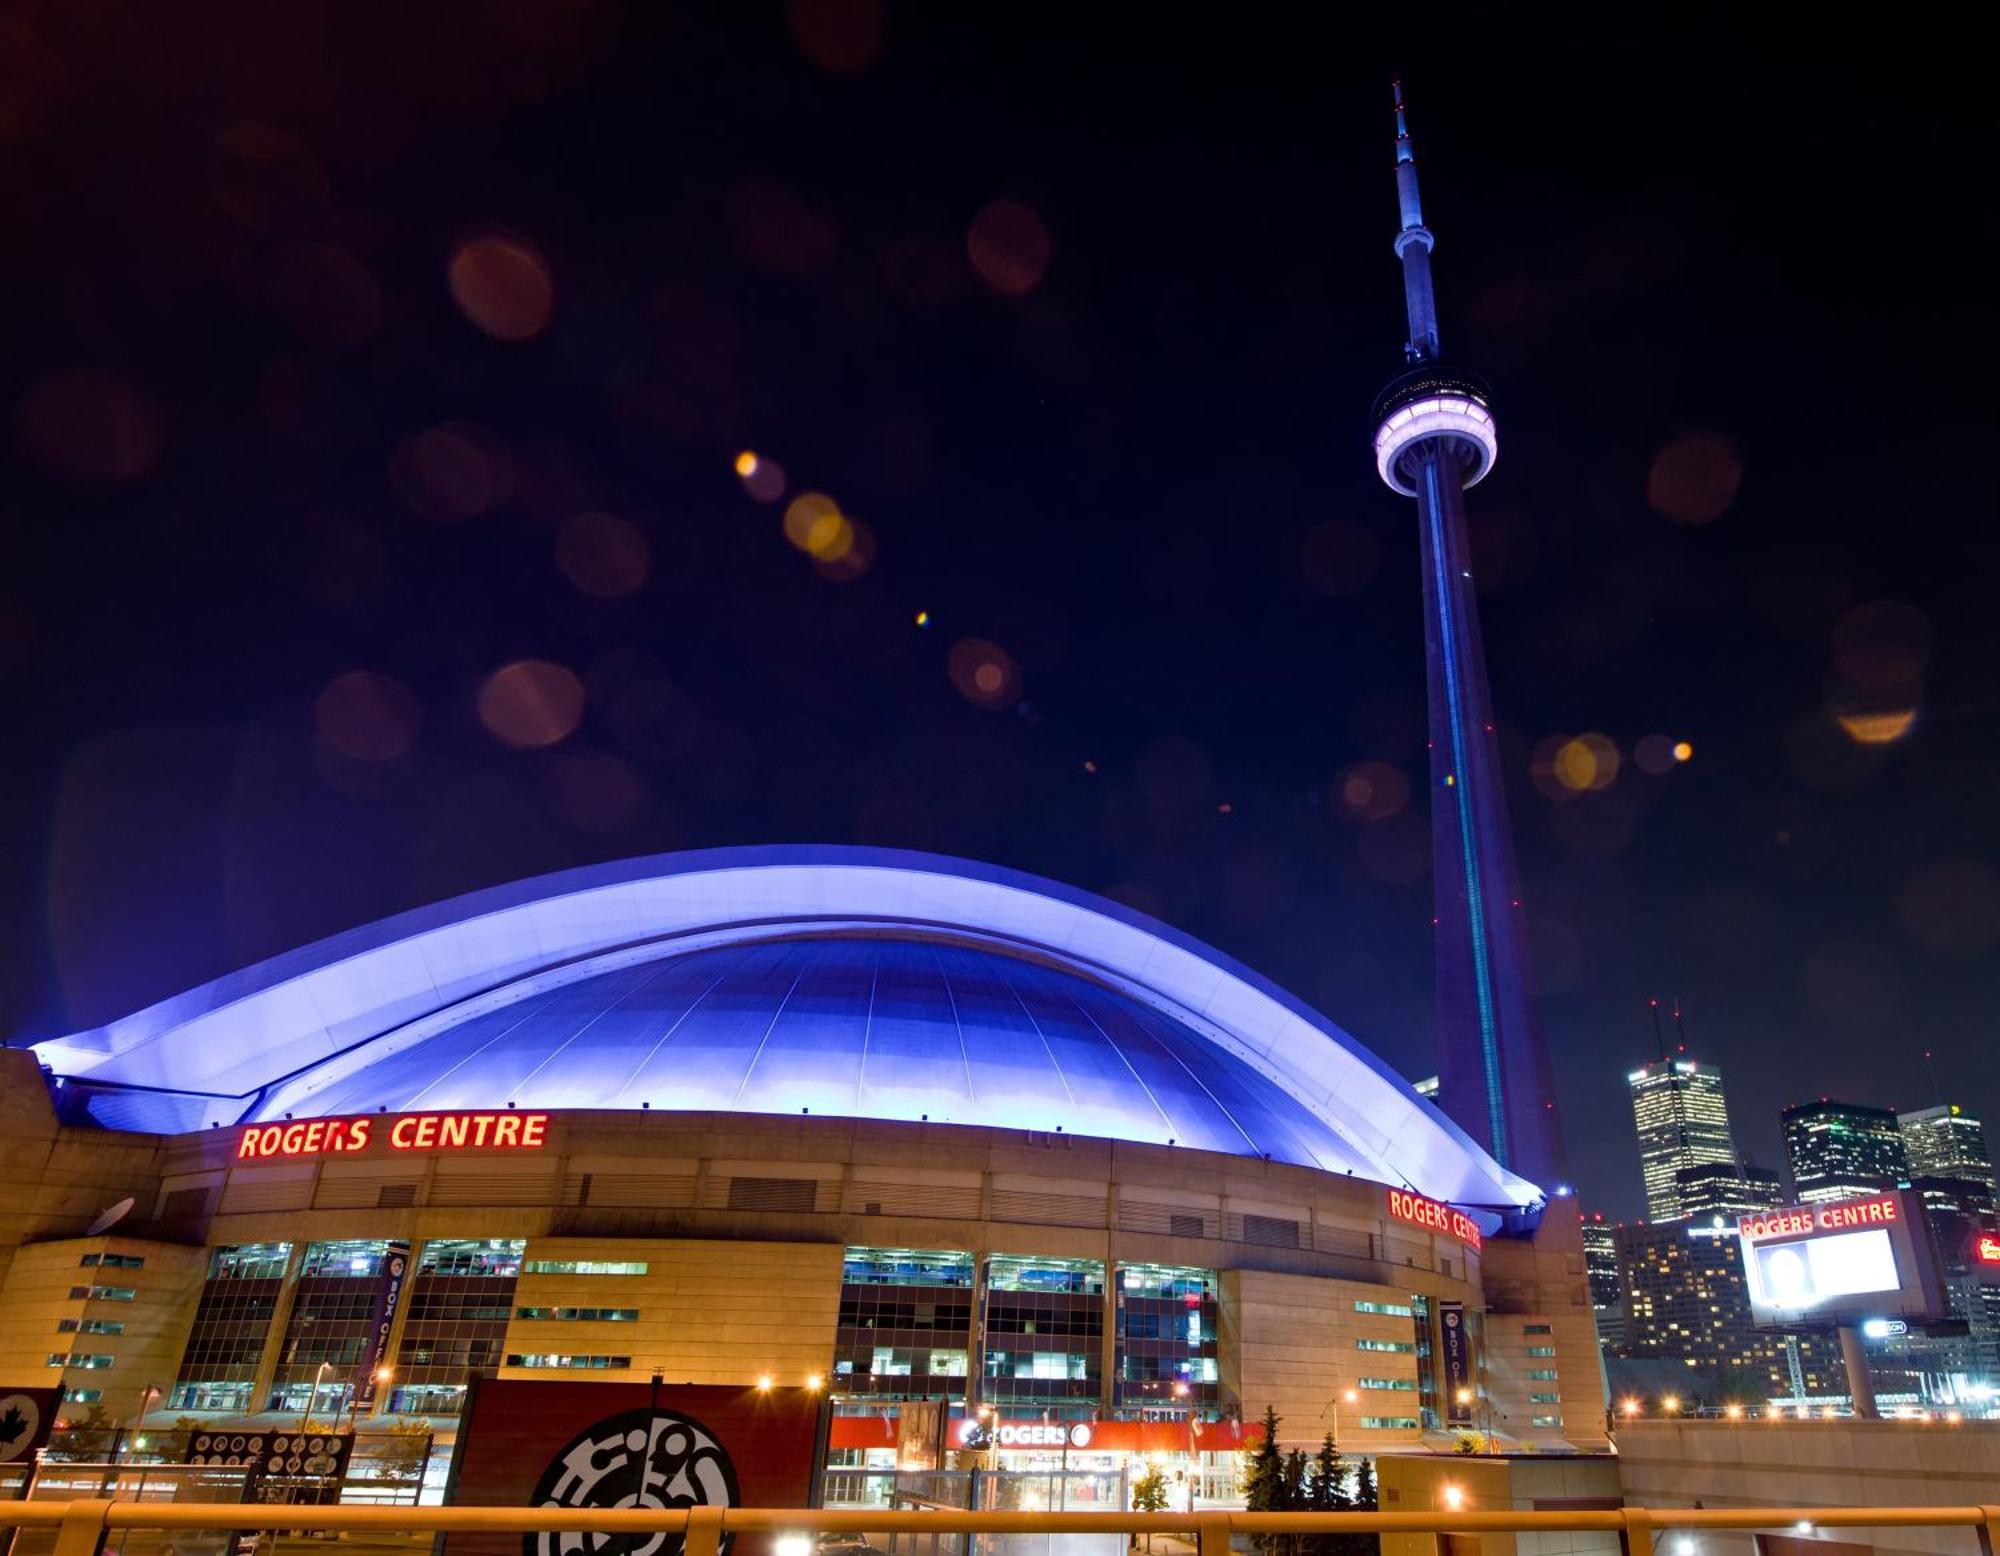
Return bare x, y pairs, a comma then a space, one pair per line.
1435, 438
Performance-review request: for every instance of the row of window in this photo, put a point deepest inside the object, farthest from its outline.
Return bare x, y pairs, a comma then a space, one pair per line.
113, 1261
1385, 1383
585, 1315
102, 1293
1542, 1374
585, 1267
1541, 1350
1400, 1346
77, 1359
90, 1326
550, 1359
1386, 1309
1389, 1423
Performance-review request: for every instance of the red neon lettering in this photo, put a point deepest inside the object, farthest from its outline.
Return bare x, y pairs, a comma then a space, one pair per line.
480, 1125
293, 1138
315, 1134
453, 1130
399, 1132
247, 1146
427, 1131
357, 1135
533, 1128
506, 1131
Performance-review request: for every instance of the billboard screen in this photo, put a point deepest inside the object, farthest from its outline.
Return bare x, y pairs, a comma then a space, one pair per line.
1853, 1259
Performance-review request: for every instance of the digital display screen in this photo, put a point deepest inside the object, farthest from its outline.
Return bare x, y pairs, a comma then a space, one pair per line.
1803, 1274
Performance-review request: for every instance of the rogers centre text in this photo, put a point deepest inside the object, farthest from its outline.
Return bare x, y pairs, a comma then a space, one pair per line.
404, 1132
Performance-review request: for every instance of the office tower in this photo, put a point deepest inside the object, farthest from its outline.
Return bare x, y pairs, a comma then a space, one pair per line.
1842, 1150
1600, 1266
1945, 1142
1683, 1122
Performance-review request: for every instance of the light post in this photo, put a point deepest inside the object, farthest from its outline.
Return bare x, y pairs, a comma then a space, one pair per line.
1349, 1396
138, 1438
312, 1399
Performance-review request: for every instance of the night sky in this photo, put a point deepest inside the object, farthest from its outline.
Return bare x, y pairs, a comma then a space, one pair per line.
355, 354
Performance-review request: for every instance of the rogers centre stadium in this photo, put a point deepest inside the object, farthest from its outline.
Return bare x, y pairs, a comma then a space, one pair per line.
929, 1135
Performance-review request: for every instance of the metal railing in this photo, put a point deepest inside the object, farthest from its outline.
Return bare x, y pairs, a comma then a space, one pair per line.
81, 1526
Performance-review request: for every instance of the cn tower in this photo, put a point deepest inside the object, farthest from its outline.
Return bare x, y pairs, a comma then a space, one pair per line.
1435, 438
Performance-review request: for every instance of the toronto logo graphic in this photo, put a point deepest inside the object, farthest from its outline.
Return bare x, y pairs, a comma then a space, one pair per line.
638, 1458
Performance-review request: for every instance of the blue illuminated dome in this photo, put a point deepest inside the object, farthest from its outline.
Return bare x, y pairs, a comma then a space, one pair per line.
859, 983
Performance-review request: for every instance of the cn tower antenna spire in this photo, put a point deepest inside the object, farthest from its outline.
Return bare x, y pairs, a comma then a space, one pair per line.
1413, 246
1435, 439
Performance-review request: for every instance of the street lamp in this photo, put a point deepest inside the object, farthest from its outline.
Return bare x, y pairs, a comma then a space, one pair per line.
1629, 1408
138, 1439
1348, 1396
1670, 1403
312, 1398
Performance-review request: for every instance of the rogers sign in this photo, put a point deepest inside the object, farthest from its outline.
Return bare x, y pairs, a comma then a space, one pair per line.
1803, 1220
1433, 1216
404, 1132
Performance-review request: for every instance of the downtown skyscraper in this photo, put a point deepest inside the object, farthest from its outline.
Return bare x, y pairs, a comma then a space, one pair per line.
1946, 1141
1842, 1150
1682, 1118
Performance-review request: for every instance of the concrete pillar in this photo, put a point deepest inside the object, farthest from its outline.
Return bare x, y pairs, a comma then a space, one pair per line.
1859, 1389
274, 1337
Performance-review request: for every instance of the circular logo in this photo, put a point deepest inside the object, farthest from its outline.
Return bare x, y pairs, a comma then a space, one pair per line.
20, 1426
637, 1458
1079, 1435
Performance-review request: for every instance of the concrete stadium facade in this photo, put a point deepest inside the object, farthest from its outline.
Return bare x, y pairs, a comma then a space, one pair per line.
941, 1137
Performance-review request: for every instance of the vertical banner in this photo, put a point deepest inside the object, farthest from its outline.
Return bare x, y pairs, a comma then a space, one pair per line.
381, 1319
1457, 1364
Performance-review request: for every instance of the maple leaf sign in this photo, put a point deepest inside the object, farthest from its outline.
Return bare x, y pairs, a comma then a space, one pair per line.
12, 1425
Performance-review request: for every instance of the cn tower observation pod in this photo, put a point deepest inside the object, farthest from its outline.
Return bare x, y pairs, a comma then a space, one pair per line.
846, 982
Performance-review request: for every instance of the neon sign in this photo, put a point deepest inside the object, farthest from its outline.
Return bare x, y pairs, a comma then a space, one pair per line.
1435, 1217
1987, 1249
404, 1132
1845, 1216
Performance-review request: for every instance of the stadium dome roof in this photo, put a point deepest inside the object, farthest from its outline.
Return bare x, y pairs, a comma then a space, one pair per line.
852, 982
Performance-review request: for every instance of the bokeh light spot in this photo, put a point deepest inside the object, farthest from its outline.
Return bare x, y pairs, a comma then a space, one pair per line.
815, 524
1953, 906
854, 557
603, 555
1694, 478
267, 180
502, 284
842, 37
327, 296
1683, 751
92, 426
1009, 247
451, 472
763, 479
1586, 762
1371, 791
1341, 558
594, 791
984, 673
1882, 646
1880, 728
531, 703
369, 717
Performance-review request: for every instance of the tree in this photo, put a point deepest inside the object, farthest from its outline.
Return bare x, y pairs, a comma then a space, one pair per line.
1264, 1481
1329, 1494
1150, 1494
403, 1452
